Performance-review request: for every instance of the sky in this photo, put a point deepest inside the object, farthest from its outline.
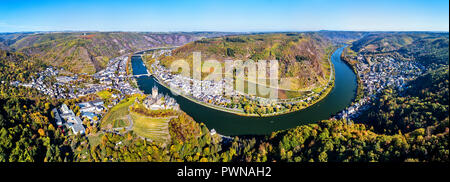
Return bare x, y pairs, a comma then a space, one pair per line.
223, 15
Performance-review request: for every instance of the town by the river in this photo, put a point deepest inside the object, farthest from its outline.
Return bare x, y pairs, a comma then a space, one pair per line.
338, 99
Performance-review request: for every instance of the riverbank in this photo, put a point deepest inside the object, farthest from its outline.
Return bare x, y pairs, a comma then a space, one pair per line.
360, 88
235, 112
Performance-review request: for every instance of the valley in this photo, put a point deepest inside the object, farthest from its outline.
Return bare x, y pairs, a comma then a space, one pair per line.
374, 91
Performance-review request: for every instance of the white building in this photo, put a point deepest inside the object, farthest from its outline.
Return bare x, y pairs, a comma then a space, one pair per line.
67, 117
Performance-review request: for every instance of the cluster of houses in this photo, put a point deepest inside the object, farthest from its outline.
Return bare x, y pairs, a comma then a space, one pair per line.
114, 76
158, 101
91, 109
160, 52
41, 83
114, 73
386, 71
378, 74
354, 110
202, 90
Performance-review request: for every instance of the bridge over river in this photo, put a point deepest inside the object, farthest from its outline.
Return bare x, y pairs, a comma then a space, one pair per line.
139, 75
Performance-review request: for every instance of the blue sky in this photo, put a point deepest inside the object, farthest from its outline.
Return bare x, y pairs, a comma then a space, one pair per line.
226, 15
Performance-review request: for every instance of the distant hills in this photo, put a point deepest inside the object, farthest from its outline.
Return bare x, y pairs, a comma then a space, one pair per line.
89, 52
424, 47
340, 37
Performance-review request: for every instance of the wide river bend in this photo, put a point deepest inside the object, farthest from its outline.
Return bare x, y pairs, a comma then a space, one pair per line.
229, 124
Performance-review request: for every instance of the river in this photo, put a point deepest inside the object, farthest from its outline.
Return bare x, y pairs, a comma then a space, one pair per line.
229, 124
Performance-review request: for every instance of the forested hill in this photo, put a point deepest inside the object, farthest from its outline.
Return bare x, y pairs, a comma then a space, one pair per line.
420, 46
301, 56
424, 104
340, 37
89, 52
18, 67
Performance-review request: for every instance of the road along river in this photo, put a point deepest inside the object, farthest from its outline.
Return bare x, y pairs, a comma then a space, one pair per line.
229, 124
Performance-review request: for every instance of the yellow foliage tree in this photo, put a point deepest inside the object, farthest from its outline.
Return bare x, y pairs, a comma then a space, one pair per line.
41, 132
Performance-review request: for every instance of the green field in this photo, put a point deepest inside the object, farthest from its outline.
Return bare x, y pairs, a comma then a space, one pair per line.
156, 129
318, 89
104, 94
118, 115
95, 139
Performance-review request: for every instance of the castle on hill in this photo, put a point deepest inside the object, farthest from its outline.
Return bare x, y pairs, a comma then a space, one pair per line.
158, 101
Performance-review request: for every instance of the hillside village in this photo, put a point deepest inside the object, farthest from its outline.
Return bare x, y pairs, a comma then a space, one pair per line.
114, 76
202, 90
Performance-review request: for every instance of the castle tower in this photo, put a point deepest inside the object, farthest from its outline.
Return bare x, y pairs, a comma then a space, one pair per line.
154, 92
